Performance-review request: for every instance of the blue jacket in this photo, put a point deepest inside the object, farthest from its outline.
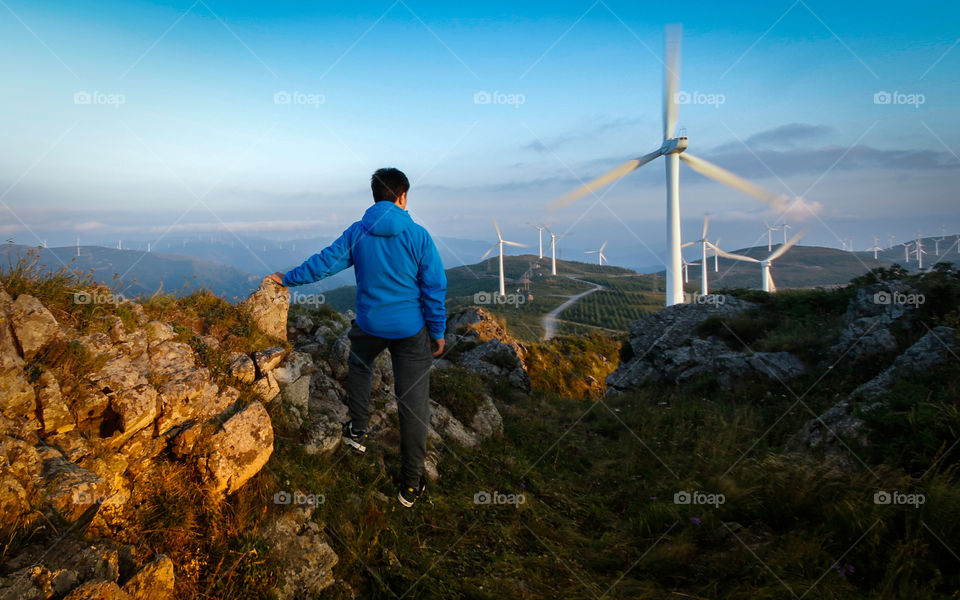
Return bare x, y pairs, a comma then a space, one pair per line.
401, 285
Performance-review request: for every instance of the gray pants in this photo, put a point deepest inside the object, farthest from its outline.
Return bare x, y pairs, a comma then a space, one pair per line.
411, 374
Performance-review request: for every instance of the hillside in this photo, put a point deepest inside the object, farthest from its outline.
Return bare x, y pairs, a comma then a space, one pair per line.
776, 446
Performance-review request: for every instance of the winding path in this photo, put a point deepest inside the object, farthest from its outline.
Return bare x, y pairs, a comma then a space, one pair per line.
550, 319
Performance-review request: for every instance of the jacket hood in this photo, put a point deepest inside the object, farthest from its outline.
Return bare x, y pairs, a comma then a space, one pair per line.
385, 219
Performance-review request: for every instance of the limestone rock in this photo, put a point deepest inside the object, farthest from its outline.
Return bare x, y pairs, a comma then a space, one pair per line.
306, 558
268, 307
54, 412
155, 581
158, 332
267, 360
98, 590
242, 367
240, 449
267, 388
33, 325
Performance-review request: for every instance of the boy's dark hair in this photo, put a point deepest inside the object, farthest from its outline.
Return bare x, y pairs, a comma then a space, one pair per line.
388, 185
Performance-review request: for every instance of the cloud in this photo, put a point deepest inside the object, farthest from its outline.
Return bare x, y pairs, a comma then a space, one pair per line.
789, 135
578, 135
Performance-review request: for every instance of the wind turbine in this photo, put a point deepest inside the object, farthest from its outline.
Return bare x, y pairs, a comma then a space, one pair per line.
876, 248
540, 229
890, 238
785, 227
553, 250
499, 244
918, 249
768, 285
943, 236
599, 253
673, 151
703, 255
770, 230
716, 257
906, 251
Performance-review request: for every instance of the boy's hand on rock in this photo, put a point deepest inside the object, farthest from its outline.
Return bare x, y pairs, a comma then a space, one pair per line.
276, 277
438, 344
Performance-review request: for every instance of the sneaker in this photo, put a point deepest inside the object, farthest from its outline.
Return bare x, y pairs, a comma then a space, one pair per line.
354, 439
408, 495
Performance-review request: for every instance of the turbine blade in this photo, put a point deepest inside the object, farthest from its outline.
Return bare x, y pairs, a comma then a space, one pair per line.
497, 227
687, 244
779, 251
603, 247
605, 179
591, 251
706, 223
708, 169
487, 253
732, 256
671, 79
515, 244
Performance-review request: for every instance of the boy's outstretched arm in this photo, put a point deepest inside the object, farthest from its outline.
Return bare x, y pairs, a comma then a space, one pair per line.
329, 261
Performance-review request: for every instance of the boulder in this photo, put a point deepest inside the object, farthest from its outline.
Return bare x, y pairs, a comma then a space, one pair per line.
242, 367
497, 360
266, 387
33, 325
268, 307
267, 360
305, 557
155, 581
54, 412
239, 450
871, 319
98, 590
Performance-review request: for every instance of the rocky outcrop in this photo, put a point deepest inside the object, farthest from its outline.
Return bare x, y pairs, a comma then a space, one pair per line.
664, 347
268, 307
936, 348
479, 344
873, 316
301, 548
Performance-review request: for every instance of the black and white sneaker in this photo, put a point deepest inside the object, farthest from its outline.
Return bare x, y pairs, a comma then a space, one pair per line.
408, 495
355, 439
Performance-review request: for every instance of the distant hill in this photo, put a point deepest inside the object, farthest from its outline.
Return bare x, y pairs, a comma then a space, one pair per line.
142, 273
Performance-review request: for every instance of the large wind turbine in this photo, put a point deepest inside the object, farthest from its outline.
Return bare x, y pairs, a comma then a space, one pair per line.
703, 254
876, 247
499, 244
540, 229
768, 285
673, 151
600, 256
553, 250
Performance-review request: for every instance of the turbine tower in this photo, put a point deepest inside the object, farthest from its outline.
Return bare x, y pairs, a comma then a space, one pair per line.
890, 238
553, 250
765, 264
673, 151
876, 247
600, 256
906, 251
703, 255
936, 241
540, 229
499, 244
770, 231
785, 227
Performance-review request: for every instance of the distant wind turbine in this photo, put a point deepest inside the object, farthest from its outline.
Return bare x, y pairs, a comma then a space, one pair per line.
770, 231
890, 239
765, 264
907, 247
599, 253
540, 229
703, 254
936, 241
785, 227
553, 250
673, 151
876, 248
499, 244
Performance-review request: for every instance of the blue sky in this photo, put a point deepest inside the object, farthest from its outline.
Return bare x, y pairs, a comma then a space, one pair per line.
200, 142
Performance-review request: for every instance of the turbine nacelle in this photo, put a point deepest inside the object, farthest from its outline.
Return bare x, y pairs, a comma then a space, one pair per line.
674, 145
